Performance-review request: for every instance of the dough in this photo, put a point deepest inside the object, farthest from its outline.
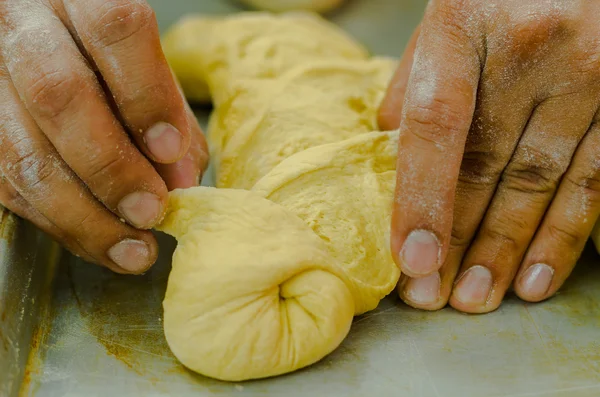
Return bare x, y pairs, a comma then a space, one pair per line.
317, 103
253, 291
291, 5
344, 192
207, 53
271, 267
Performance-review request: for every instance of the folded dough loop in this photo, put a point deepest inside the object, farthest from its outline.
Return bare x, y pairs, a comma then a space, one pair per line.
344, 192
253, 291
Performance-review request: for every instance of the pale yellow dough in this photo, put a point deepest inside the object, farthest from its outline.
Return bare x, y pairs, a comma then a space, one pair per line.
272, 266
253, 291
294, 5
209, 55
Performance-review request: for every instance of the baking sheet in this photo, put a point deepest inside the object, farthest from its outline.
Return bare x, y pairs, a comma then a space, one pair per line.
101, 334
28, 262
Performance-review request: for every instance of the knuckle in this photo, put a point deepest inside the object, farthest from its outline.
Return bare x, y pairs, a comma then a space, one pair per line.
534, 171
120, 20
434, 121
100, 176
155, 97
503, 235
565, 234
16, 43
454, 21
531, 179
31, 170
103, 168
587, 60
532, 31
589, 183
52, 92
82, 227
460, 238
481, 169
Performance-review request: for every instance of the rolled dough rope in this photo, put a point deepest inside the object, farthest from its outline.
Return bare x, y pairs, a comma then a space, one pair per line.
271, 268
220, 52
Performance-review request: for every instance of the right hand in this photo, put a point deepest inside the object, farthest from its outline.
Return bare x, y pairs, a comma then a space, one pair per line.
94, 130
498, 105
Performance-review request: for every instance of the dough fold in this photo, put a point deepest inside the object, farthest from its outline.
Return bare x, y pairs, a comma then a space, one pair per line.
271, 267
344, 192
302, 108
253, 291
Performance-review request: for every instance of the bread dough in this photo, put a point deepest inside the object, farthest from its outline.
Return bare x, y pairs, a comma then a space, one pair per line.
271, 267
253, 291
308, 101
344, 192
208, 54
292, 5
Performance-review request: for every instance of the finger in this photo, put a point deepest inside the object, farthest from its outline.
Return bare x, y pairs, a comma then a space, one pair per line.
528, 184
122, 38
39, 175
566, 227
188, 171
390, 111
14, 202
436, 116
67, 102
498, 123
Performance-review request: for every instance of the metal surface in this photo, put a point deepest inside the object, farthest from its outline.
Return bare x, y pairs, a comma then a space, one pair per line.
27, 264
101, 334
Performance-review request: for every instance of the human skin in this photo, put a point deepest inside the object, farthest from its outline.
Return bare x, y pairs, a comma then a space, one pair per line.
498, 179
94, 130
497, 175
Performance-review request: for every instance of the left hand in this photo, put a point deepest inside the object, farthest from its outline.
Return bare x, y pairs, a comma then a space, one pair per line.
499, 155
94, 131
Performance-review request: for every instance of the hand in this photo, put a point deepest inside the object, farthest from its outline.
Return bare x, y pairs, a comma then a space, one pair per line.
499, 156
93, 127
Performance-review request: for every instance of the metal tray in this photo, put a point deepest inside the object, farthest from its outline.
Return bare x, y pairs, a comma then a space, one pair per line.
71, 329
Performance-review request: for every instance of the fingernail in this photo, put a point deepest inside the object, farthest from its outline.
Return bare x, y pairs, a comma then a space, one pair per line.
164, 142
536, 280
131, 255
474, 286
141, 209
420, 253
424, 290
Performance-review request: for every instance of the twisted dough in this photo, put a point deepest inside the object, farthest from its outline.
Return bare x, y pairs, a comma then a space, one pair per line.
271, 268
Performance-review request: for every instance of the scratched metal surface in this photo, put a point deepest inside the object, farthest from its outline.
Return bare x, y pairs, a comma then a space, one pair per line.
101, 334
27, 263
